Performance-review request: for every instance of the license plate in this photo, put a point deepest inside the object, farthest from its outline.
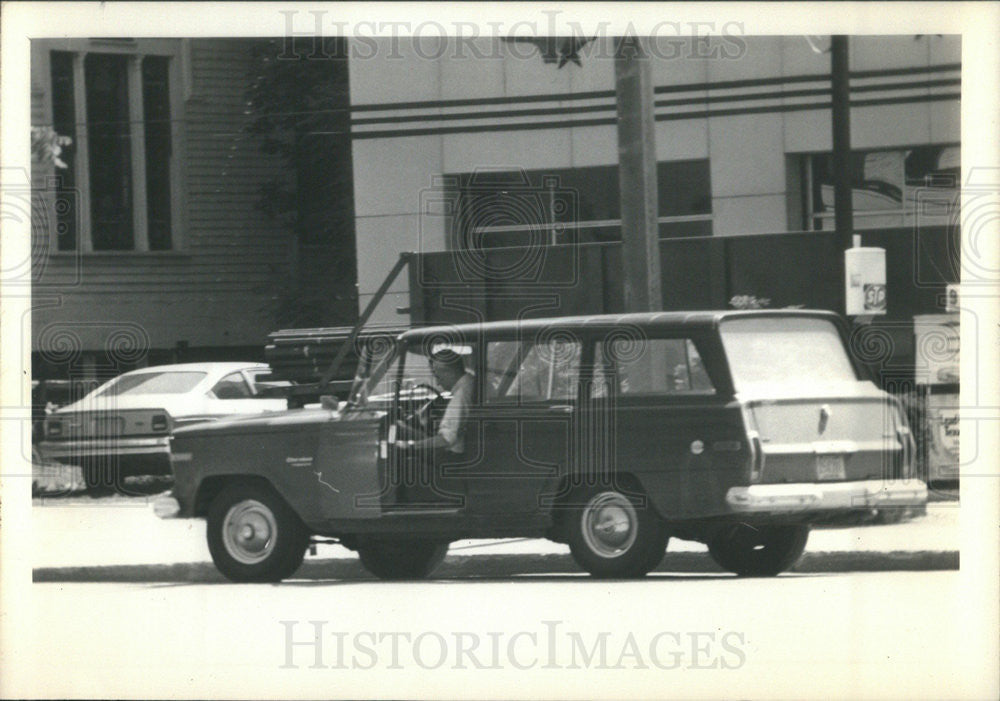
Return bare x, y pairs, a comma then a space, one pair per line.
830, 467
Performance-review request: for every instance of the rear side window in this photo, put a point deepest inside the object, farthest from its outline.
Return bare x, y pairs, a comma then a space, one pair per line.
232, 386
654, 366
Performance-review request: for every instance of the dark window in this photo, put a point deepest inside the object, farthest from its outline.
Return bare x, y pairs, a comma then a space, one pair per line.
649, 367
108, 132
232, 386
64, 124
538, 372
885, 185
493, 209
156, 114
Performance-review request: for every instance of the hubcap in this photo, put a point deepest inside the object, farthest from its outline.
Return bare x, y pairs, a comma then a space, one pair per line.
248, 531
609, 524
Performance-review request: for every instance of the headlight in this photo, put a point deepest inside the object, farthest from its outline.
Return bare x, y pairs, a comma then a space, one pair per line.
54, 428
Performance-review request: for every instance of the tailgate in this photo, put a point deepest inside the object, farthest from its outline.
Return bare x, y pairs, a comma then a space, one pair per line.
829, 439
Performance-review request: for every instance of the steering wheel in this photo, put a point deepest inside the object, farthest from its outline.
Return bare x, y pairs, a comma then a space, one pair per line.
420, 418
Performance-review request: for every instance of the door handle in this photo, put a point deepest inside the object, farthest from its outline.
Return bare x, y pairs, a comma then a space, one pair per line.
561, 408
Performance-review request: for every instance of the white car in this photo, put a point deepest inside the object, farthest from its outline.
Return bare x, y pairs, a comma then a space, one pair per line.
123, 427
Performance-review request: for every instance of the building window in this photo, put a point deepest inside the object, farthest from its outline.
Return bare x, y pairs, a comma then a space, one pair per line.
118, 191
495, 209
887, 186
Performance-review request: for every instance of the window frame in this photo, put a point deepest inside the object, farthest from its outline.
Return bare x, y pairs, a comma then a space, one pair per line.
177, 53
807, 219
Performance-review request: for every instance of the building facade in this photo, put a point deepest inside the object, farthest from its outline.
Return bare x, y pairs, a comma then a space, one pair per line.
149, 245
468, 145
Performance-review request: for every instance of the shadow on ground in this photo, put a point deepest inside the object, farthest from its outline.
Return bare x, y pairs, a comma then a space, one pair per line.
500, 566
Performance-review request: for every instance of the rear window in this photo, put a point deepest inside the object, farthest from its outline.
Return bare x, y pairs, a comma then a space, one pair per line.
153, 383
785, 350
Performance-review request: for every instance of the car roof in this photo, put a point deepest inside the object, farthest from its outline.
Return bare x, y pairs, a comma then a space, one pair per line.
220, 368
647, 320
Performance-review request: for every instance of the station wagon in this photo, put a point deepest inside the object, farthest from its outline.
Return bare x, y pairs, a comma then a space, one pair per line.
610, 433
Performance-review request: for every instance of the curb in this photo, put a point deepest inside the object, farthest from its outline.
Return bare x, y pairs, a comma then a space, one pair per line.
503, 567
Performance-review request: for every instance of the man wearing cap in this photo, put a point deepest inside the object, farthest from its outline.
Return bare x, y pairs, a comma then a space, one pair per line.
429, 454
449, 371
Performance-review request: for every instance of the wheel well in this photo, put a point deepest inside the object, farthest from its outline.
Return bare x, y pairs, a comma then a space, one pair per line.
211, 486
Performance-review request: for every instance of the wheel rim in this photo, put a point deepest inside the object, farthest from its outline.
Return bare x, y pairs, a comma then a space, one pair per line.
249, 531
609, 524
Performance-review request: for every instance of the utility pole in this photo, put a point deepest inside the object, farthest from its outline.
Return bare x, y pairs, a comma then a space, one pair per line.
637, 176
843, 205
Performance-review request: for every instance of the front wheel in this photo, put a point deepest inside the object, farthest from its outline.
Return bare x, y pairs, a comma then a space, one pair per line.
401, 559
758, 551
253, 535
612, 534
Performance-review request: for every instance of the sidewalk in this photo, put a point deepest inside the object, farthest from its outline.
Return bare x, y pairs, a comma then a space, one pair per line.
101, 535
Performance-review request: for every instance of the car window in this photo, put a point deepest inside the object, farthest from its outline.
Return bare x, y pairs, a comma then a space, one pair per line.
232, 386
787, 350
167, 382
649, 367
417, 370
544, 371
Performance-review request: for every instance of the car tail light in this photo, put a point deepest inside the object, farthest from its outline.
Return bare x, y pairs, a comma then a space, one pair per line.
159, 422
756, 456
54, 428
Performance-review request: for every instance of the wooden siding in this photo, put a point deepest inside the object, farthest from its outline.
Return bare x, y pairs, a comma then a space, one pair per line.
218, 287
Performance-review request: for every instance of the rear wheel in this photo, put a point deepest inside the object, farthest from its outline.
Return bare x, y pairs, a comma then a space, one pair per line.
401, 559
758, 551
253, 535
612, 534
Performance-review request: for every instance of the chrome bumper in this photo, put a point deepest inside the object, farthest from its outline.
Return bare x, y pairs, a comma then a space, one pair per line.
789, 498
166, 507
159, 445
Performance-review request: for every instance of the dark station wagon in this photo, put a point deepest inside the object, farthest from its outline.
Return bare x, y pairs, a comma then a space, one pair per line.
611, 433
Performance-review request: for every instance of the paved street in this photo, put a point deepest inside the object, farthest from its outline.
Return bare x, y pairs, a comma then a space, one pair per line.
122, 599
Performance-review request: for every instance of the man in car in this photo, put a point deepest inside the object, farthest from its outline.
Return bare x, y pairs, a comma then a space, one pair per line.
449, 371
449, 439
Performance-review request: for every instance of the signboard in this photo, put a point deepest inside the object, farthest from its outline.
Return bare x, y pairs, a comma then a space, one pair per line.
865, 291
936, 348
942, 436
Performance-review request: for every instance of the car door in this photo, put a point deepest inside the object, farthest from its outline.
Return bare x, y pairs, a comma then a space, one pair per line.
656, 413
525, 424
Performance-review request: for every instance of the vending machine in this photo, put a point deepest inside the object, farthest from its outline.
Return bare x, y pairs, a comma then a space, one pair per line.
936, 351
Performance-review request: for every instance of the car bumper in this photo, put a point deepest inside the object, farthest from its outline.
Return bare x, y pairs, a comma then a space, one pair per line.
835, 496
167, 507
146, 455
159, 445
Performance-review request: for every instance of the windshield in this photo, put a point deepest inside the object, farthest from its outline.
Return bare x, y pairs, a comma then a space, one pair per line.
789, 350
152, 383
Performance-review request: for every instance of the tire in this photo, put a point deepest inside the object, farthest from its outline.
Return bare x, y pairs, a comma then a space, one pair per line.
762, 551
253, 535
401, 559
612, 534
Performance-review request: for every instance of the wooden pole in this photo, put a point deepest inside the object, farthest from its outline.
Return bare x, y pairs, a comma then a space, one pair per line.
843, 205
637, 176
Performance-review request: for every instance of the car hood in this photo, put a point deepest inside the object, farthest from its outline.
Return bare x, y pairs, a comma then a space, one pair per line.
274, 420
